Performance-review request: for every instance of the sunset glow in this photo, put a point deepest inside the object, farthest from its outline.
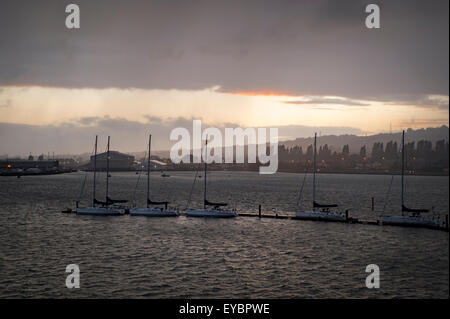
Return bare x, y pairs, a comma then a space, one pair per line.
56, 106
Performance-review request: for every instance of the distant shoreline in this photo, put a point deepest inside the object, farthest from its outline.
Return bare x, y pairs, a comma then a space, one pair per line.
247, 171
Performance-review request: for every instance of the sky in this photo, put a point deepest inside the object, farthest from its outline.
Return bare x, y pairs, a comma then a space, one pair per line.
136, 67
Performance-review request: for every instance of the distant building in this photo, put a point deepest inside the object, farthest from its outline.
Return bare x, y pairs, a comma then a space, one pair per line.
117, 161
154, 165
67, 163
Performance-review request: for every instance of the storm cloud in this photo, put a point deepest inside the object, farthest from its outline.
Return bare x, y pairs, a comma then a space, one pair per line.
300, 47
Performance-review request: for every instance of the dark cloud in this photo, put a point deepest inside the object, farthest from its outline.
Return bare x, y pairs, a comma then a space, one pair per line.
421, 101
129, 136
332, 101
301, 47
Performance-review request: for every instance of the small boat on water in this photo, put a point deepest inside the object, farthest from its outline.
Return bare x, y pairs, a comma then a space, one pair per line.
211, 212
414, 218
320, 212
324, 215
210, 209
101, 211
153, 211
99, 208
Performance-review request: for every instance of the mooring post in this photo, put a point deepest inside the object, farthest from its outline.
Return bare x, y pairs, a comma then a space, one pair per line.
373, 202
259, 210
446, 221
346, 215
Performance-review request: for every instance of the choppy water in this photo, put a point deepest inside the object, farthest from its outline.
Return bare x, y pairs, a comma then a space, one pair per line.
243, 257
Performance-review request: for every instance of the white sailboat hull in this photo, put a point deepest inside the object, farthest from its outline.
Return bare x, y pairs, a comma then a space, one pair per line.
153, 212
100, 211
416, 221
322, 216
410, 221
217, 213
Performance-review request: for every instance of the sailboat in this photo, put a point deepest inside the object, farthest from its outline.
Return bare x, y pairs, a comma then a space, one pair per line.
164, 174
152, 211
107, 207
210, 209
414, 218
319, 211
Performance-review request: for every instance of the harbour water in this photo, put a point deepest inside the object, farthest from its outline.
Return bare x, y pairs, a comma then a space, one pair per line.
182, 257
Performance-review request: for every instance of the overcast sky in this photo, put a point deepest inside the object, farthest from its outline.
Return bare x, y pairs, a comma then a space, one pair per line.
303, 64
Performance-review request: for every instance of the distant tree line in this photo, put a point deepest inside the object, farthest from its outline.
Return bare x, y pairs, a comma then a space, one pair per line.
421, 158
422, 150
420, 155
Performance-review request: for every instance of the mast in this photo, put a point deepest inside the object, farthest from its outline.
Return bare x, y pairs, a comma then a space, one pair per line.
206, 155
148, 169
403, 166
95, 169
314, 170
107, 172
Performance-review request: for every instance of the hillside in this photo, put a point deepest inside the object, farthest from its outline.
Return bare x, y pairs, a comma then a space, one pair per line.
337, 142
